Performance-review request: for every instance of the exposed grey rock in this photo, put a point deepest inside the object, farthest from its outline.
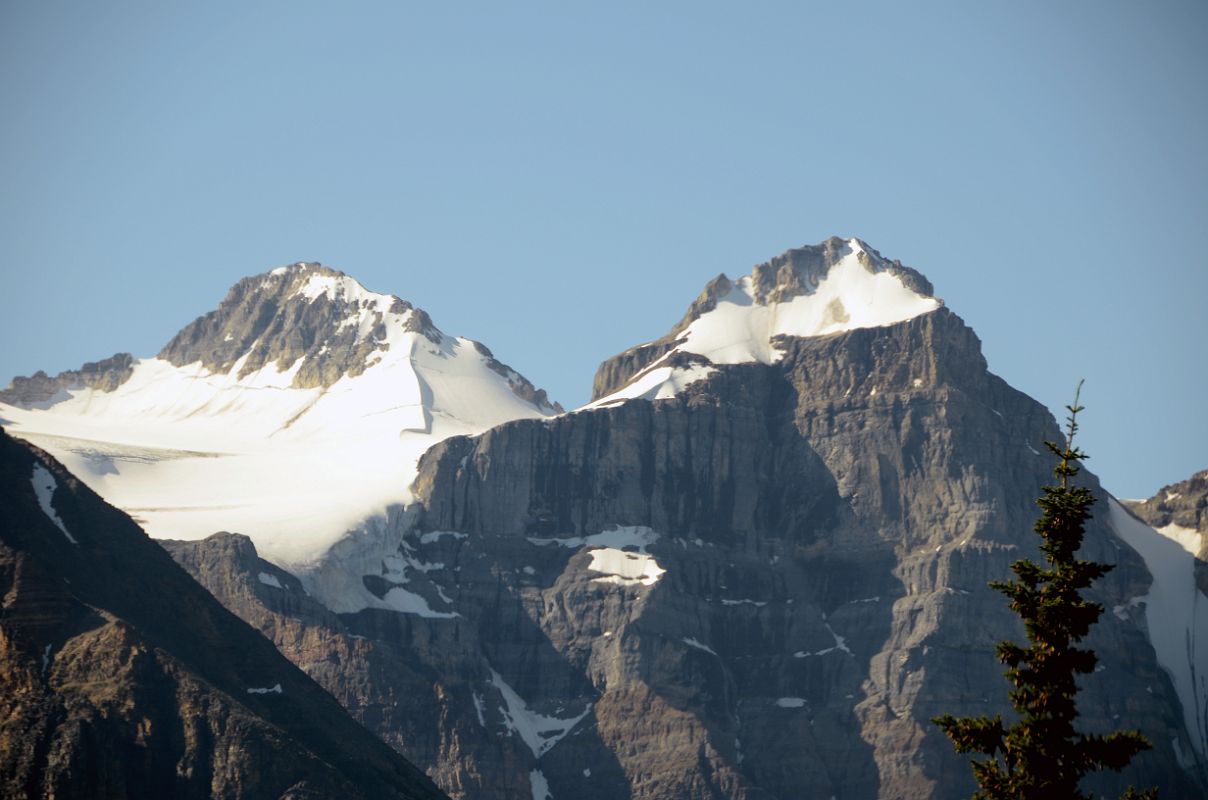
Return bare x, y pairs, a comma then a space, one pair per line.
121, 677
1184, 503
422, 683
268, 319
40, 389
869, 485
827, 526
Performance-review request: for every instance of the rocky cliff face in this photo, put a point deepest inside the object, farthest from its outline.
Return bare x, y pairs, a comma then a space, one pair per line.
851, 502
762, 587
121, 677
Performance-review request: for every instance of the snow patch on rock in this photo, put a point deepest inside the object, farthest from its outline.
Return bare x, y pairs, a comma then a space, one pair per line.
539, 785
692, 642
44, 488
274, 689
656, 383
618, 553
625, 568
270, 580
538, 731
406, 602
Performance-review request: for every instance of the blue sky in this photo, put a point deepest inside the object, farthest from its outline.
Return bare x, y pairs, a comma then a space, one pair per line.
559, 180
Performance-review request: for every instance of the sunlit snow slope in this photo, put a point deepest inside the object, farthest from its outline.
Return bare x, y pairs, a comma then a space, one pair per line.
190, 449
1176, 612
857, 291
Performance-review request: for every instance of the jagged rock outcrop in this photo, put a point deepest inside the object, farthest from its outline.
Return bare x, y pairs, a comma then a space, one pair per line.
291, 313
1184, 504
314, 314
121, 677
104, 375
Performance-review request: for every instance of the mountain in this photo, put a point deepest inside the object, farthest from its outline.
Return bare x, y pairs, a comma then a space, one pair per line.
1182, 507
121, 677
753, 567
294, 411
1175, 547
811, 291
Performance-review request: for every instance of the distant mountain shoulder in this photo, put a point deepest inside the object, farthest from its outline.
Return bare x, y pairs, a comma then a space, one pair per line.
1181, 510
1184, 504
104, 375
121, 677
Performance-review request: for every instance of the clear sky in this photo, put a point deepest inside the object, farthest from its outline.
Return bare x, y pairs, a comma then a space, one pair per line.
560, 180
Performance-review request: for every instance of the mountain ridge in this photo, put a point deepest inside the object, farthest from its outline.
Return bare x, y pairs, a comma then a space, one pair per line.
780, 516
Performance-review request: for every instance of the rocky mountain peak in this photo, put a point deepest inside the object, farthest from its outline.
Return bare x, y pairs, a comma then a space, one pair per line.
304, 312
1184, 504
798, 272
832, 287
302, 385
1180, 512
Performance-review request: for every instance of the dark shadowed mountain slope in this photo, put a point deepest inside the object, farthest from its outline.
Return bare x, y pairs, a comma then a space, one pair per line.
122, 677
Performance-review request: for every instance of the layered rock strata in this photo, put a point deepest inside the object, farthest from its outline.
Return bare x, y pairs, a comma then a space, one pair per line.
762, 587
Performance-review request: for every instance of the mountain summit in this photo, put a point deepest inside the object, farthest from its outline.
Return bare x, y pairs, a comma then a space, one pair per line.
836, 286
292, 412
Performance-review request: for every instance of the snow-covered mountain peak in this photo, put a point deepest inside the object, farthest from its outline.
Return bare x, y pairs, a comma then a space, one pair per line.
836, 286
293, 412
306, 317
311, 280
845, 284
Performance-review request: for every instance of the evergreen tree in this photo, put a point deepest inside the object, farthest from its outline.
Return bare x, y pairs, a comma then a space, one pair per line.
1042, 755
